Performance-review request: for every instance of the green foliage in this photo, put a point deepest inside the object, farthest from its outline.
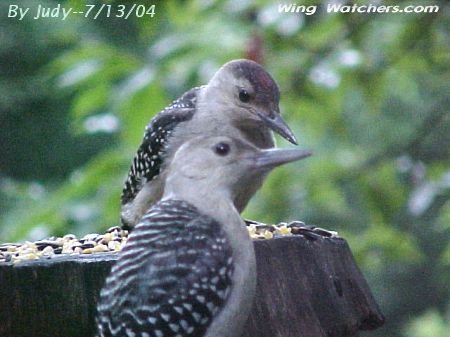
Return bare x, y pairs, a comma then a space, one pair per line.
430, 324
367, 93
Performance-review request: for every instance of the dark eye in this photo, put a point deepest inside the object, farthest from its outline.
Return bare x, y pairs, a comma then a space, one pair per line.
222, 149
244, 96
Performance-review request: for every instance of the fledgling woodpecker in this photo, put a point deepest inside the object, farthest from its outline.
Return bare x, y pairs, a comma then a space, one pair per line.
188, 268
241, 100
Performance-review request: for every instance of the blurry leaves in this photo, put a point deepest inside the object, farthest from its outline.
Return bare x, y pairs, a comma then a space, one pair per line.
85, 200
137, 112
92, 100
430, 324
381, 243
321, 34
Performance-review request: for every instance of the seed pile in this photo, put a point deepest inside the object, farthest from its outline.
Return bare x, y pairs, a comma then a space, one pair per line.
112, 241
115, 238
259, 230
262, 231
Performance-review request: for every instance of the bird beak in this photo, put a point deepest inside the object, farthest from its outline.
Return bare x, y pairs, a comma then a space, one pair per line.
269, 159
278, 125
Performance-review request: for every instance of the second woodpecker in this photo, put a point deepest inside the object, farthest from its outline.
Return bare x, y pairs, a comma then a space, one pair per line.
188, 269
241, 100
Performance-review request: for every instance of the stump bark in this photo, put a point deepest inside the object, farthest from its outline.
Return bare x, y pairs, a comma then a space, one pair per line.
307, 287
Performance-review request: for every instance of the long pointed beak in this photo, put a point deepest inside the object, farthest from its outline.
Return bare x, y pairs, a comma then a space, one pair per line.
268, 159
278, 124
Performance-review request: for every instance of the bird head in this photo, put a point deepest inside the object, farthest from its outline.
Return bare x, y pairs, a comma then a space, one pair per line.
253, 93
220, 165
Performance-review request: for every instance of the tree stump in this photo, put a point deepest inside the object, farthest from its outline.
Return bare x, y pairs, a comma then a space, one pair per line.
308, 286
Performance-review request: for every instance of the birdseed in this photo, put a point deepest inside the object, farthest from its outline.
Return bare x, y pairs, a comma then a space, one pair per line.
112, 241
115, 238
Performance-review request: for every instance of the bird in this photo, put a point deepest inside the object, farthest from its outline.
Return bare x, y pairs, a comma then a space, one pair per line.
188, 268
241, 100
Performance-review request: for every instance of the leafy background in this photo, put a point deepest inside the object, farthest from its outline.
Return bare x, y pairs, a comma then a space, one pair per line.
369, 93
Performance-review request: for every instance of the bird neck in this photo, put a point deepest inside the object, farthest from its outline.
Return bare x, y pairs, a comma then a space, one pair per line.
213, 201
216, 202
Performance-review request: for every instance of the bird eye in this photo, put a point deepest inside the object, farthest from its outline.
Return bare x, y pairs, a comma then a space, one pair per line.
222, 149
244, 96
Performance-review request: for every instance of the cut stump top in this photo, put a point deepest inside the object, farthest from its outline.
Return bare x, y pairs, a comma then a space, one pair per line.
307, 287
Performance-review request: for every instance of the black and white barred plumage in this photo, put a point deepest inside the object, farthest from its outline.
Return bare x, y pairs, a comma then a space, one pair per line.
147, 162
172, 277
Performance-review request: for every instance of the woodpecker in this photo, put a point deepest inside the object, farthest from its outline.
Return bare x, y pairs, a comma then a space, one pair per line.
188, 268
241, 100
